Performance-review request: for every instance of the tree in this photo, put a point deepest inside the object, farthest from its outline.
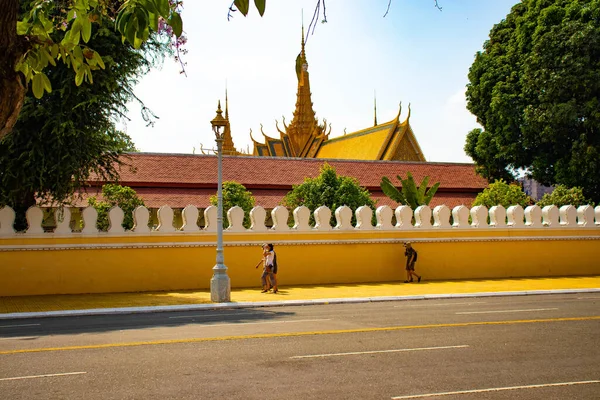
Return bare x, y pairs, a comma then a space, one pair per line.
535, 90
409, 194
29, 45
562, 196
116, 195
504, 194
235, 194
67, 136
329, 189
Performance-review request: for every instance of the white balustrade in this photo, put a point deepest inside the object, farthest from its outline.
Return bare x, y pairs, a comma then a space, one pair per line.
141, 217
62, 218
498, 216
258, 216
479, 217
568, 217
235, 216
280, 216
404, 215
7, 221
301, 219
210, 219
533, 217
115, 220
363, 218
516, 216
343, 216
35, 217
190, 215
322, 219
165, 219
550, 216
460, 217
89, 215
423, 217
384, 215
441, 217
585, 216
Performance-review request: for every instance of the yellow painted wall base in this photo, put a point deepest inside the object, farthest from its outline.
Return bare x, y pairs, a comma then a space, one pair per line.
51, 264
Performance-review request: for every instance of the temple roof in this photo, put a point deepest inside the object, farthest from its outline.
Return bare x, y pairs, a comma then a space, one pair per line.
180, 179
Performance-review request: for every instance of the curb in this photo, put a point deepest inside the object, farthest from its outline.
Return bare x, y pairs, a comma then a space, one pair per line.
281, 303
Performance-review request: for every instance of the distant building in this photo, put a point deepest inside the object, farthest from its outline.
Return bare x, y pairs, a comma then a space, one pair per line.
534, 189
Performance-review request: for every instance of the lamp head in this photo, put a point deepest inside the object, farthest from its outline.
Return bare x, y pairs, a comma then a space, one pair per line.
218, 123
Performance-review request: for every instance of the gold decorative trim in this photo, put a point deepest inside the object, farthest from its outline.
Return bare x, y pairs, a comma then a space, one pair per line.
113, 246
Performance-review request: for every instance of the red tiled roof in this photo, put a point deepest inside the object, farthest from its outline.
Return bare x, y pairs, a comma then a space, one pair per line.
186, 170
181, 179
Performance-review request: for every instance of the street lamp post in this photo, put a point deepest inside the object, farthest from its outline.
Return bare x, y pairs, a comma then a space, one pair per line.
220, 286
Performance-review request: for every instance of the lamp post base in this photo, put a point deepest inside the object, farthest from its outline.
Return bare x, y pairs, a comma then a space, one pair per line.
220, 285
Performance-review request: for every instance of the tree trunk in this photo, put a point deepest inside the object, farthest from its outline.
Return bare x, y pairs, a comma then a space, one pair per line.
12, 88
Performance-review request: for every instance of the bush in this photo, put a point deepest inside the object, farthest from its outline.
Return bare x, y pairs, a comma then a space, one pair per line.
116, 195
329, 189
562, 196
504, 194
235, 194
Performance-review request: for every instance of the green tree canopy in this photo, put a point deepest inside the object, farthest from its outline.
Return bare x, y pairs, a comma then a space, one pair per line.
235, 194
562, 196
409, 194
504, 194
63, 139
116, 195
535, 89
329, 189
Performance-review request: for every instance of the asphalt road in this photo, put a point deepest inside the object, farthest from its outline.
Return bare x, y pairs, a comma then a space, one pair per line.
522, 347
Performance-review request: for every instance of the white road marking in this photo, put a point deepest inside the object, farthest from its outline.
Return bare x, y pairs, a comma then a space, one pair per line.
505, 311
19, 338
419, 396
211, 315
589, 298
380, 351
440, 304
270, 322
41, 376
16, 326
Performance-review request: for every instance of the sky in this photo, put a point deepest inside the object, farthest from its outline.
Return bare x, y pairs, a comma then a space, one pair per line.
416, 55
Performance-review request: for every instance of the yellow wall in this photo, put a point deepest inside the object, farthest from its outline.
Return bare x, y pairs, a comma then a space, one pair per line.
50, 264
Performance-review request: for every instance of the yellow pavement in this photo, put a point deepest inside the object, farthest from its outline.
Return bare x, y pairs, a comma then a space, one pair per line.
116, 300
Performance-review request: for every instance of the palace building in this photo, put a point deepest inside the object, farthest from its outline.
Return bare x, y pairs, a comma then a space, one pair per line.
305, 137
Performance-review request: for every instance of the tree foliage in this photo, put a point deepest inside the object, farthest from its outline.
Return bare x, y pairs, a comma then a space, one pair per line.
535, 89
63, 139
329, 189
409, 194
29, 43
115, 195
504, 194
235, 194
562, 196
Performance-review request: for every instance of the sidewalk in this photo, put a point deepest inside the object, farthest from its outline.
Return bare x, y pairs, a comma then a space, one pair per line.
122, 303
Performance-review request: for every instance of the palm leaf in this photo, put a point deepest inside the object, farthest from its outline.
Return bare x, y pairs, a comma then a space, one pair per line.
431, 192
391, 191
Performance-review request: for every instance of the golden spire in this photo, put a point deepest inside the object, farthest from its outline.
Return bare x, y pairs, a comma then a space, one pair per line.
375, 103
228, 146
304, 126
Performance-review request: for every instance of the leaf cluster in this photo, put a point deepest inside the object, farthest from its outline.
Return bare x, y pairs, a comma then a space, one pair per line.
409, 194
235, 194
562, 196
115, 195
504, 194
535, 89
135, 20
329, 189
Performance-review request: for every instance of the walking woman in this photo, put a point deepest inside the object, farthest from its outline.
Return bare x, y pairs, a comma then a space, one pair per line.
270, 269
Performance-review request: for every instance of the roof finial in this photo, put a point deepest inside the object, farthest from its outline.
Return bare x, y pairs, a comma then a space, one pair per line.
303, 54
375, 103
226, 103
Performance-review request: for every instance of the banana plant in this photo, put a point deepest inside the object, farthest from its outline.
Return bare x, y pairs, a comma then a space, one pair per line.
409, 194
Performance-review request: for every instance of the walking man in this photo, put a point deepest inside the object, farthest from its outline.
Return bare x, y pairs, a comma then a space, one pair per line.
411, 259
